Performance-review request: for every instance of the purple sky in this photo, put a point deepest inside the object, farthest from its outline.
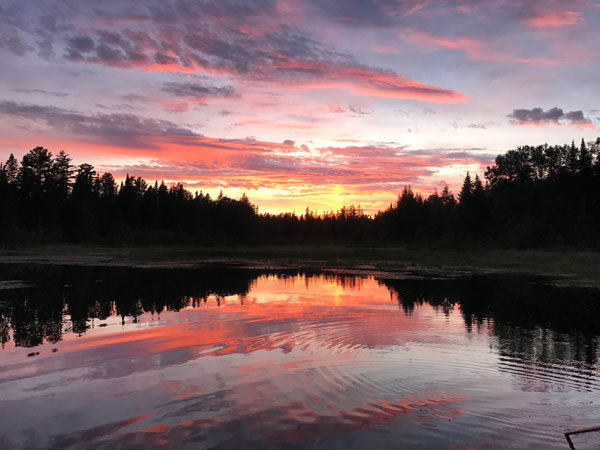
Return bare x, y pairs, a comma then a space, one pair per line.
318, 103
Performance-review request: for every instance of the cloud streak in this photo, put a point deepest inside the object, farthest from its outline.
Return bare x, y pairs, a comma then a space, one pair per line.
198, 91
127, 130
476, 48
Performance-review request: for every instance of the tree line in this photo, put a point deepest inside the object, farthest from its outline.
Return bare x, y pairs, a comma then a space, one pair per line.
533, 196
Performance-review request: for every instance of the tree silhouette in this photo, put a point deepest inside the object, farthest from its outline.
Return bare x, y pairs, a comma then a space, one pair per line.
532, 196
466, 191
11, 169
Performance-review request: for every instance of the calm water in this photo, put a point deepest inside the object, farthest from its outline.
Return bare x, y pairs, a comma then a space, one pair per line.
235, 358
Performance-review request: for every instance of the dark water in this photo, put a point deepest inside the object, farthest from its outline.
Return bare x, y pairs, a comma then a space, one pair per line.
99, 357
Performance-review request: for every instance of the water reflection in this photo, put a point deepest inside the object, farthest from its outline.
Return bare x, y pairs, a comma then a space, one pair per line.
533, 320
231, 357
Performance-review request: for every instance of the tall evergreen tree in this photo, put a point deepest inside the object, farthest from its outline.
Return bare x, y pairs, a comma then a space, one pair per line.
585, 158
573, 158
466, 191
62, 171
11, 169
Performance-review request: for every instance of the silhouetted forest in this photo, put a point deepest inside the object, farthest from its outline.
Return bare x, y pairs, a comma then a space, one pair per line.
534, 196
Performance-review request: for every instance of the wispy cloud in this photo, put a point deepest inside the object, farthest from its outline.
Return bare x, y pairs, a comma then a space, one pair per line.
555, 19
42, 92
476, 48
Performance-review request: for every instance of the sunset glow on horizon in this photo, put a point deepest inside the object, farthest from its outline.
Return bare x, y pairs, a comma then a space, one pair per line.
313, 104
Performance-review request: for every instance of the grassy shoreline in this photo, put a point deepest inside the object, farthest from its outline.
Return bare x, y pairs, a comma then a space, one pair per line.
578, 266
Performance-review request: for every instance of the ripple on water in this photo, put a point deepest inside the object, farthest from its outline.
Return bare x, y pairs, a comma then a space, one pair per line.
312, 374
541, 376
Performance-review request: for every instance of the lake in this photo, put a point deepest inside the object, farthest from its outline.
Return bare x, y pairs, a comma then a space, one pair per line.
243, 357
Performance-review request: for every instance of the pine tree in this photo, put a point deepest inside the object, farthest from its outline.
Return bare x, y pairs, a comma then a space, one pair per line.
466, 192
447, 197
585, 157
478, 189
11, 169
572, 158
62, 171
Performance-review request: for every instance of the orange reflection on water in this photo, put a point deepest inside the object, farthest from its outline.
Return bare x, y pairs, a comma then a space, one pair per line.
321, 313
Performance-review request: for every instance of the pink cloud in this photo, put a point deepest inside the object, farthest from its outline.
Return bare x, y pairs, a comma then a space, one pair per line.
475, 48
386, 49
280, 58
555, 19
362, 80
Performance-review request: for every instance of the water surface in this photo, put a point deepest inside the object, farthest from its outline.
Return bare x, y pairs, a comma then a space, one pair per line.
116, 357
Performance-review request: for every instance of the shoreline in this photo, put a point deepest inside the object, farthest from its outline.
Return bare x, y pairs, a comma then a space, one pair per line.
572, 267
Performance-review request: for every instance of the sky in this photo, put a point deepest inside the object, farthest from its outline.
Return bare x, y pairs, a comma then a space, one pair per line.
315, 104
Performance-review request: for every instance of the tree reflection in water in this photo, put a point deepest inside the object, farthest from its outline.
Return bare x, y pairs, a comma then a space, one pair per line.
531, 319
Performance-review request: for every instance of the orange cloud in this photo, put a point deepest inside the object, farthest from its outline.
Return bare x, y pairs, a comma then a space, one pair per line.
287, 177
